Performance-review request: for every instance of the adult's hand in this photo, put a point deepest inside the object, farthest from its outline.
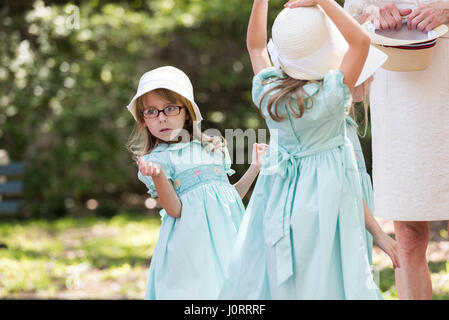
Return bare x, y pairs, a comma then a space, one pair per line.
425, 18
388, 17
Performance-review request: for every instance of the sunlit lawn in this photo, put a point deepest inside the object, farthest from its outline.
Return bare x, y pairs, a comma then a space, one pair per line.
77, 258
99, 258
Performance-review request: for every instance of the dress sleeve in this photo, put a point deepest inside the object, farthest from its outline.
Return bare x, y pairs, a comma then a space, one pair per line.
163, 160
337, 94
259, 88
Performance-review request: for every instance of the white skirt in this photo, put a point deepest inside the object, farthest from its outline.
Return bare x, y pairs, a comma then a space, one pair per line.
410, 136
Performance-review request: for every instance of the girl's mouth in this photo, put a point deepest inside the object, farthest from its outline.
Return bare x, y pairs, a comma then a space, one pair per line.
164, 130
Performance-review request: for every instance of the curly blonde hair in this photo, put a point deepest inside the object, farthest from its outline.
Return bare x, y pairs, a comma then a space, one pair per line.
364, 92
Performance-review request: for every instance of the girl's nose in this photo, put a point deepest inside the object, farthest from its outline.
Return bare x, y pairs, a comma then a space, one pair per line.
162, 117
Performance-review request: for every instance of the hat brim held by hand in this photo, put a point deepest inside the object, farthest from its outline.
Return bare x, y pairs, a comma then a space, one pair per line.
166, 77
407, 50
402, 37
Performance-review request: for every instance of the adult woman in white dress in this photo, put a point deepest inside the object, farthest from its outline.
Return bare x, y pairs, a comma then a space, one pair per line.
410, 130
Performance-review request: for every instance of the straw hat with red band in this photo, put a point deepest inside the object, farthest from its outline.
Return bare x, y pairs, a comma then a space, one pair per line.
407, 50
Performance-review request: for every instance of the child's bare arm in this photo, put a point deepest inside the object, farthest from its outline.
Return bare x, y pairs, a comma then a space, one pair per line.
357, 38
256, 37
384, 241
167, 196
250, 175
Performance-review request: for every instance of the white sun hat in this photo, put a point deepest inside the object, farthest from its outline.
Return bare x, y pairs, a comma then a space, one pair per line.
407, 50
166, 77
306, 44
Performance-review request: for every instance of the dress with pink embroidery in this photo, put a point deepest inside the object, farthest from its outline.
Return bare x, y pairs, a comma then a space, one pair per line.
193, 251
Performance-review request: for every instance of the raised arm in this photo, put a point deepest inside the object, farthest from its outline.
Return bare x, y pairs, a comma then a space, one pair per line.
242, 186
357, 38
167, 196
250, 175
256, 36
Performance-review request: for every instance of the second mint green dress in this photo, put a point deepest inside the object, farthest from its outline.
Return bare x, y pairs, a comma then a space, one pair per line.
303, 233
193, 251
365, 179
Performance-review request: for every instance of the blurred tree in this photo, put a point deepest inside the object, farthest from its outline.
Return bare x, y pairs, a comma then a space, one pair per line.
68, 70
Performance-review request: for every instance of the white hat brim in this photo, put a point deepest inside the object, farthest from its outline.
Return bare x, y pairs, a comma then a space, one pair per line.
162, 84
376, 58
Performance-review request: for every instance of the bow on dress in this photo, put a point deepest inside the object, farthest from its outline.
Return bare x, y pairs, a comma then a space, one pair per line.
287, 164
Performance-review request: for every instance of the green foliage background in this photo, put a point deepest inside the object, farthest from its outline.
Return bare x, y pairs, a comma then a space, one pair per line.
64, 88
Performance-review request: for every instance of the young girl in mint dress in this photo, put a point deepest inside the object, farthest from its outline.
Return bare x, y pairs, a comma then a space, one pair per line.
201, 209
303, 233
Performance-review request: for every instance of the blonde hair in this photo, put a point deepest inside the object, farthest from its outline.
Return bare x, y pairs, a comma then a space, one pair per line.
365, 110
286, 88
142, 142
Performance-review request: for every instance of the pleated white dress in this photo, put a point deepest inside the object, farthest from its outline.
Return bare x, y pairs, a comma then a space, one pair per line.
410, 135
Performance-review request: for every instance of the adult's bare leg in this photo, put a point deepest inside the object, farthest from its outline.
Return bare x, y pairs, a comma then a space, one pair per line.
413, 277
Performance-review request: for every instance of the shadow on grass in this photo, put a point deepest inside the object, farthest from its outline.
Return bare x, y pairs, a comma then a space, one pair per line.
105, 262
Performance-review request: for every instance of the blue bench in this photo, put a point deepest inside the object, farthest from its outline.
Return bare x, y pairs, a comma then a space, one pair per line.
11, 188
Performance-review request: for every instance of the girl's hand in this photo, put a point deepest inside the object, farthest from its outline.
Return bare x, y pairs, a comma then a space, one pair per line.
426, 18
242, 186
388, 245
300, 3
259, 149
389, 17
148, 168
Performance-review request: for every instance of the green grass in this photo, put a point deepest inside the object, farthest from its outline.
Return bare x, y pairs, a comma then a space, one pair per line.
71, 255
439, 277
101, 258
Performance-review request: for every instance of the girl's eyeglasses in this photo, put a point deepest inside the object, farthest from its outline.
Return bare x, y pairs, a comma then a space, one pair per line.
153, 113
